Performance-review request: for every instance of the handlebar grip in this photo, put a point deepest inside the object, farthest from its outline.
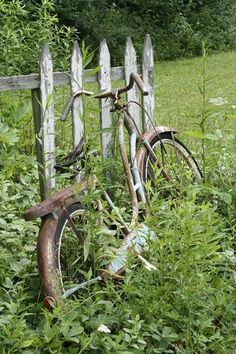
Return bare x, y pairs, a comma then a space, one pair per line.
140, 83
67, 108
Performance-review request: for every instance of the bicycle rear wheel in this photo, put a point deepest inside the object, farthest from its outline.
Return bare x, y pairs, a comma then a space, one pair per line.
64, 261
172, 165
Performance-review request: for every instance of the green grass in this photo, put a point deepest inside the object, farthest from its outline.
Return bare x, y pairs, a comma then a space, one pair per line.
188, 304
178, 99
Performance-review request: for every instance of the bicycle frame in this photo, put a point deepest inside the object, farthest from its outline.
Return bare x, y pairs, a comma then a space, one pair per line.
135, 234
135, 186
134, 182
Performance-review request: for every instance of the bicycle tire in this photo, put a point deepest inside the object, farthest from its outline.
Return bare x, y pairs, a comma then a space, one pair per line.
168, 142
51, 249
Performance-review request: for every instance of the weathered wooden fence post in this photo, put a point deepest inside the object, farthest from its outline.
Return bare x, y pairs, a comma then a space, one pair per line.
76, 70
76, 67
43, 111
41, 86
104, 78
132, 95
148, 78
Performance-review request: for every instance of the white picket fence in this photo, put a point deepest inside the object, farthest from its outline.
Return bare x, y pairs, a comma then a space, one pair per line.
42, 87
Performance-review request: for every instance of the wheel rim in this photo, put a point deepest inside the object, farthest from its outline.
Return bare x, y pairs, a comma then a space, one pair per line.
177, 163
73, 267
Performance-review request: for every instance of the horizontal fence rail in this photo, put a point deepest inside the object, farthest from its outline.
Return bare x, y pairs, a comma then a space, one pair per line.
32, 81
42, 90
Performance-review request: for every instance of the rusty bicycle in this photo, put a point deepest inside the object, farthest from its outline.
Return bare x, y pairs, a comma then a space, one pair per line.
63, 264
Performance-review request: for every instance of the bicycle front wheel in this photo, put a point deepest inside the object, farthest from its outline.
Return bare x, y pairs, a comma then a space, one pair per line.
169, 163
65, 262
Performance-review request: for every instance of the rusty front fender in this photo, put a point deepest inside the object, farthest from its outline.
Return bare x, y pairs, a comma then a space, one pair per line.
46, 255
58, 199
47, 262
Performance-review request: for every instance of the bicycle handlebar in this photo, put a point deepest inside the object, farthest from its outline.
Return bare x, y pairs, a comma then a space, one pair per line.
134, 78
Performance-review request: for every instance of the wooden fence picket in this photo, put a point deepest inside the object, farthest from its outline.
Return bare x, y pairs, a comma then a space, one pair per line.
129, 67
42, 84
148, 78
76, 67
43, 109
104, 78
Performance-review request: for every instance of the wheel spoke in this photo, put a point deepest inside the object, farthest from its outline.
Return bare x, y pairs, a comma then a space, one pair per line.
167, 163
76, 231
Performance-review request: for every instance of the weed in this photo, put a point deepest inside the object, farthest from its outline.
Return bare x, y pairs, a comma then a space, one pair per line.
186, 305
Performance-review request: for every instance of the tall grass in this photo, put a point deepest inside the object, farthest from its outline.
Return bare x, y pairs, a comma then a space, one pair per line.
188, 304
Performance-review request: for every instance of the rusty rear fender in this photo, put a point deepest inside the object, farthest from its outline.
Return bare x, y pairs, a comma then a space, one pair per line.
149, 135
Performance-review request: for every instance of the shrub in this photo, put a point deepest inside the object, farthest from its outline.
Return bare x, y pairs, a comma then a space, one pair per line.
23, 29
176, 27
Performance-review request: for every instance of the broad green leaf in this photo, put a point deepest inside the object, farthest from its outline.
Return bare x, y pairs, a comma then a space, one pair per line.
8, 135
226, 197
86, 247
75, 330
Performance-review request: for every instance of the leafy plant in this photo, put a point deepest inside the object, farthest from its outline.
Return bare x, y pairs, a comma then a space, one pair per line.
177, 27
24, 27
185, 305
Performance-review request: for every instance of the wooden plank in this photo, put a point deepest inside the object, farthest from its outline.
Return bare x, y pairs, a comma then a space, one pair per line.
76, 67
104, 78
148, 78
132, 95
117, 73
61, 79
23, 82
76, 85
47, 118
31, 82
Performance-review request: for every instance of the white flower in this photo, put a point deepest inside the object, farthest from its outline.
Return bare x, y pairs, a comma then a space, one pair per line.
103, 328
147, 265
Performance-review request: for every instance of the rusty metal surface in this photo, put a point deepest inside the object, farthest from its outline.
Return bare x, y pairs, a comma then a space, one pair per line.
46, 256
128, 173
50, 204
55, 201
148, 136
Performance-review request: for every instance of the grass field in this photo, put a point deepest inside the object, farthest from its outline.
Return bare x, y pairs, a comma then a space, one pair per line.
178, 98
188, 304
